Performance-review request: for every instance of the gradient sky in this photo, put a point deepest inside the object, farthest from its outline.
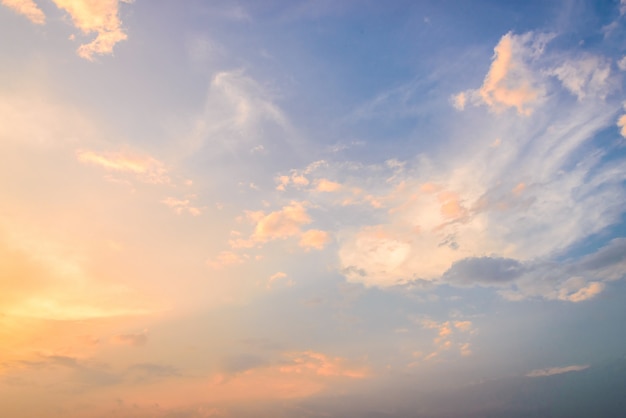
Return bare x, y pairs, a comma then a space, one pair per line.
312, 208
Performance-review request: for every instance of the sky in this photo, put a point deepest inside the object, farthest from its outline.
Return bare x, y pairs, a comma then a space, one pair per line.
312, 208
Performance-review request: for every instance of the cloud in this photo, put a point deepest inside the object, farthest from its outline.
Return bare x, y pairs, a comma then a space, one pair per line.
325, 185
225, 259
146, 168
451, 338
95, 16
509, 82
487, 270
501, 208
621, 123
135, 340
550, 371
27, 8
179, 205
280, 224
585, 77
278, 276
322, 365
577, 289
238, 113
314, 238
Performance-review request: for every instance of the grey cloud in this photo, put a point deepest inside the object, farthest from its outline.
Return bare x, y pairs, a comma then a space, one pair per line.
614, 253
484, 270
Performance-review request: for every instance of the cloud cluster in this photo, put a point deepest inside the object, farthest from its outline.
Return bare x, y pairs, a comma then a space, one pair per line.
287, 222
89, 16
528, 185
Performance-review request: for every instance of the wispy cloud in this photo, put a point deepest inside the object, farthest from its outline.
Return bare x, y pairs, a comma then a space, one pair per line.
550, 371
144, 167
132, 339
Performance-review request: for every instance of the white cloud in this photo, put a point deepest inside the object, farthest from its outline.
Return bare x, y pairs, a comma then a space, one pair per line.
585, 77
238, 112
541, 189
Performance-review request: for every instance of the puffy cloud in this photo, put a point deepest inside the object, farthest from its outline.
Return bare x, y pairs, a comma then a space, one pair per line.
325, 185
550, 371
146, 168
314, 238
281, 224
96, 16
509, 82
26, 8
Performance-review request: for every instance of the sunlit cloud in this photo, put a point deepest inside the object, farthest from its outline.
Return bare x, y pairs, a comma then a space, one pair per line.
182, 205
99, 17
133, 339
509, 82
27, 8
314, 238
225, 259
145, 168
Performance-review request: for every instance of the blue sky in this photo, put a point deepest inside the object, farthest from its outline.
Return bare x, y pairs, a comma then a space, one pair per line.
311, 208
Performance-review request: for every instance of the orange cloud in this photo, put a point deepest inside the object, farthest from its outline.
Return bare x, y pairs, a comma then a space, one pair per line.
325, 185
280, 224
509, 83
180, 206
146, 168
135, 340
574, 290
498, 88
27, 8
448, 335
314, 238
322, 365
99, 17
225, 259
621, 123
